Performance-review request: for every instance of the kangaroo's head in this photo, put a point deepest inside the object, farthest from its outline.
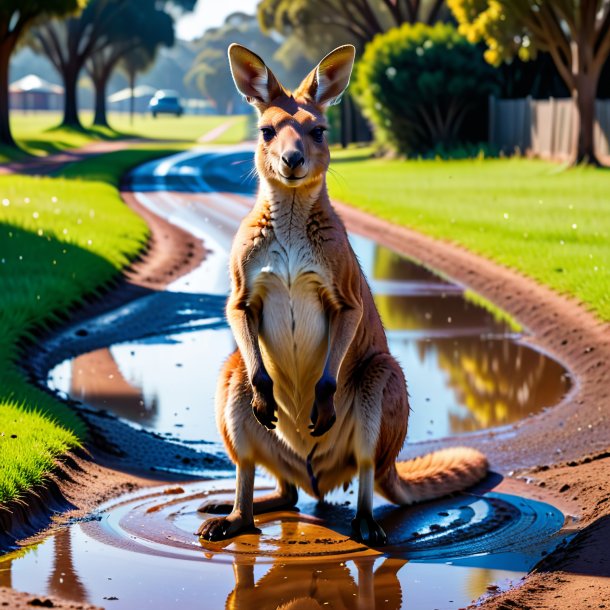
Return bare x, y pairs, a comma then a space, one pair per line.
292, 149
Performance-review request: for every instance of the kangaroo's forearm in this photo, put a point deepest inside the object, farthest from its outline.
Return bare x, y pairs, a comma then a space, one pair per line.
244, 325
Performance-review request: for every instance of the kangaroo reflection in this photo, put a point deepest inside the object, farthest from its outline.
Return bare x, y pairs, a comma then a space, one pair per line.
314, 585
311, 583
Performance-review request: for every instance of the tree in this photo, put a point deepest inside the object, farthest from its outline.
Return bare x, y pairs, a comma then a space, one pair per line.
356, 21
418, 83
16, 16
137, 60
143, 27
69, 44
576, 33
210, 69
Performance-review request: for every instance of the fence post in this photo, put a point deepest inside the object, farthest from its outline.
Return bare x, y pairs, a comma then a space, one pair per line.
553, 126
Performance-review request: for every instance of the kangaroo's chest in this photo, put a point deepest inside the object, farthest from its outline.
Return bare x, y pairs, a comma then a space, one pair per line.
289, 278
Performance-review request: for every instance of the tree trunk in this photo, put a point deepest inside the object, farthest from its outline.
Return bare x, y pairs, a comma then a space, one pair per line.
584, 98
6, 137
71, 118
100, 118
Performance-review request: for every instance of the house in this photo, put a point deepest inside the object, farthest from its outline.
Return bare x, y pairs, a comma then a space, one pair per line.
34, 93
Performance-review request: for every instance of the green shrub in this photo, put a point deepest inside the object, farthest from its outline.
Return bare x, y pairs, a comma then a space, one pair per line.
419, 84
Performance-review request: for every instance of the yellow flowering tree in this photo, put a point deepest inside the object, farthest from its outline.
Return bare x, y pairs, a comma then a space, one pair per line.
576, 33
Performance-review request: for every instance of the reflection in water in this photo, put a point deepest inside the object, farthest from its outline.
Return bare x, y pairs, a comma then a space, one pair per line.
466, 370
449, 313
493, 382
6, 573
497, 381
97, 380
311, 586
64, 581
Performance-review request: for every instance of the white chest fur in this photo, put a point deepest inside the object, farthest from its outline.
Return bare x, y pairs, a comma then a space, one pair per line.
293, 333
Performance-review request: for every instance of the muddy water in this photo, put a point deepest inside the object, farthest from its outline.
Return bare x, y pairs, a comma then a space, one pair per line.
139, 551
155, 365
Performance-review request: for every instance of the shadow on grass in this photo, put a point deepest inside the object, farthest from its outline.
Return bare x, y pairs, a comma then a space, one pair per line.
41, 281
56, 140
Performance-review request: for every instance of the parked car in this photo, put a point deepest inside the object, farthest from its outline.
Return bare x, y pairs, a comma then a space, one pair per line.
165, 101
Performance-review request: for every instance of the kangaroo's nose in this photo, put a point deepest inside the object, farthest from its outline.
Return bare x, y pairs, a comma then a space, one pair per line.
293, 159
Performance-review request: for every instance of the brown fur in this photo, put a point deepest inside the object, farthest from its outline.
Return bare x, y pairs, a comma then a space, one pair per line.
304, 320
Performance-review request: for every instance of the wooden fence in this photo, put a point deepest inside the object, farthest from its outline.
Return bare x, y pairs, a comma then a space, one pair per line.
543, 128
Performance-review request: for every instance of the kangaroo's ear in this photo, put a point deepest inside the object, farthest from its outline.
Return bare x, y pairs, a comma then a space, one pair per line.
252, 77
325, 84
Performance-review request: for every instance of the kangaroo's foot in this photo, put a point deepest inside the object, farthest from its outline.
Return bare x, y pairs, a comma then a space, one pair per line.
284, 497
264, 406
222, 528
367, 530
323, 414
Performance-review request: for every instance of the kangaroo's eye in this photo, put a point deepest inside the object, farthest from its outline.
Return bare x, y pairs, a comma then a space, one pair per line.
268, 133
317, 133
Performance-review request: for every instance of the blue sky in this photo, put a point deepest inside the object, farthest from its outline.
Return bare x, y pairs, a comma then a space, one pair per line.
210, 13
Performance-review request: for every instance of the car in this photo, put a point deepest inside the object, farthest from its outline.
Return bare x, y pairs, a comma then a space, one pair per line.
165, 101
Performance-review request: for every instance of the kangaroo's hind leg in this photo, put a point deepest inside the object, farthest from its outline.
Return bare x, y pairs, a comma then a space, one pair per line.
246, 442
381, 405
284, 497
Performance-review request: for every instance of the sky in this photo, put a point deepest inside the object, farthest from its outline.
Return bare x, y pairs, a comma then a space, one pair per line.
210, 13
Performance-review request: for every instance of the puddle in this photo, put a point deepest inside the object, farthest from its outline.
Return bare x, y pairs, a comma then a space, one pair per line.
140, 551
465, 369
154, 364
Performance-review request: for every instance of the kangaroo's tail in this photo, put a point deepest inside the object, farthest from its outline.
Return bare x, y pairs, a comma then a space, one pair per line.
433, 475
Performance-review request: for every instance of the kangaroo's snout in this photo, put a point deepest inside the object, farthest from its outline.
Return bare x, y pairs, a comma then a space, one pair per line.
293, 159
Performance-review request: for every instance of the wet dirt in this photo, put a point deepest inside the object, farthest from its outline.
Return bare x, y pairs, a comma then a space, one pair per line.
154, 363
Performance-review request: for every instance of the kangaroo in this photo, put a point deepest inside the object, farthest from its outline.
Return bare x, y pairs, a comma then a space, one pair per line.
312, 393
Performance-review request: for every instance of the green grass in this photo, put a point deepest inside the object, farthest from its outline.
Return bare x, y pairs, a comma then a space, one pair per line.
37, 133
61, 238
549, 222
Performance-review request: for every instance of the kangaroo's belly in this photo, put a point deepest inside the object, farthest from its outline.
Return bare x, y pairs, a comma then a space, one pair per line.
293, 336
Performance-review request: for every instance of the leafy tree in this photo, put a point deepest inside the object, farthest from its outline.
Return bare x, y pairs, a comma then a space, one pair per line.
418, 83
356, 21
210, 69
576, 33
143, 27
70, 43
16, 16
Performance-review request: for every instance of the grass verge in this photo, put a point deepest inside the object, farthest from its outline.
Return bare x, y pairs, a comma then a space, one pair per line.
548, 222
61, 239
37, 134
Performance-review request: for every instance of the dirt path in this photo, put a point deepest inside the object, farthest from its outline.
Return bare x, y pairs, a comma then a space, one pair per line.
211, 135
566, 449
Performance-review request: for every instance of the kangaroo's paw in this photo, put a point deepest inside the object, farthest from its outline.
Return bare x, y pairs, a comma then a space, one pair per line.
222, 528
323, 414
215, 508
264, 406
367, 530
